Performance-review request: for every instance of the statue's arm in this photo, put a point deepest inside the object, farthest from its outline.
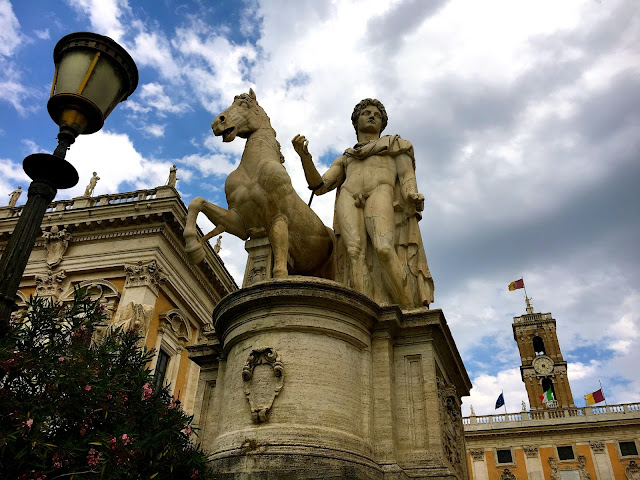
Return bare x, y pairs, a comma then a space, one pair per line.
407, 178
320, 185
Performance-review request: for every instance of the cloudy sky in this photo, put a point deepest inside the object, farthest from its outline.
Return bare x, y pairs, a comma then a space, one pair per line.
524, 115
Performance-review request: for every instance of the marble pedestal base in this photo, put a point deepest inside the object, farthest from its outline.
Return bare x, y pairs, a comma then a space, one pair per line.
304, 378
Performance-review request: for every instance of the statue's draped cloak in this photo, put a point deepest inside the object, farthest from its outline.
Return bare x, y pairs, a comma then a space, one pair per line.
408, 240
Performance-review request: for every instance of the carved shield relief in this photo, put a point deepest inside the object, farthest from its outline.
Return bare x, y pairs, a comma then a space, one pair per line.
263, 379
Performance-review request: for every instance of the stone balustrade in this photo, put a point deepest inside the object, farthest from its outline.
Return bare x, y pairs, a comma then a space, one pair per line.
552, 416
95, 201
532, 317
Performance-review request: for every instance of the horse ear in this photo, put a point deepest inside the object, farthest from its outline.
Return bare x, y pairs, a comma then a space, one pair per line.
252, 94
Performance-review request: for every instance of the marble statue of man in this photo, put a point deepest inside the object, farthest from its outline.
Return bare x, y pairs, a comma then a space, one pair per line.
173, 179
92, 184
14, 196
377, 209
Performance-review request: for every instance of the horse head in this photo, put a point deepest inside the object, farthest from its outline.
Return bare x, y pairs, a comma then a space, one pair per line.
241, 119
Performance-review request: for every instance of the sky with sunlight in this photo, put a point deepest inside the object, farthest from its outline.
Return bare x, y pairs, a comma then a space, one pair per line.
524, 116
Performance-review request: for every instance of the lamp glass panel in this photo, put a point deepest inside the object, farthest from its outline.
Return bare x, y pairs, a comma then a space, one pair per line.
72, 69
105, 86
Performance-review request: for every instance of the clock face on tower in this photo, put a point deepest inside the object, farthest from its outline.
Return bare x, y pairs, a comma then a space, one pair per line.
542, 365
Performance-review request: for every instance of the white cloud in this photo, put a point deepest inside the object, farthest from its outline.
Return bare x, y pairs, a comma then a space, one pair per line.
104, 15
42, 34
487, 388
116, 160
151, 48
154, 130
152, 96
10, 36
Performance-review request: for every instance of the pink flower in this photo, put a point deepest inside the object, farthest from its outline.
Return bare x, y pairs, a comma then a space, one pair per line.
194, 473
113, 443
94, 457
83, 431
109, 396
61, 359
125, 439
29, 422
147, 391
187, 430
57, 464
87, 388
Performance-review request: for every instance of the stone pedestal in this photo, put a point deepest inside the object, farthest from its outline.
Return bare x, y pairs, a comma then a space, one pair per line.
304, 378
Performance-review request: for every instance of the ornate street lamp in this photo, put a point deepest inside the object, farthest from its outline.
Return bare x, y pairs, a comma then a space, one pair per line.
93, 74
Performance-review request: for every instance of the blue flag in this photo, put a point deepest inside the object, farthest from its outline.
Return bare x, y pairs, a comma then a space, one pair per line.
500, 401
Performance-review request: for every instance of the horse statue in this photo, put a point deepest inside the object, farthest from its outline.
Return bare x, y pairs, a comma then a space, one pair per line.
261, 199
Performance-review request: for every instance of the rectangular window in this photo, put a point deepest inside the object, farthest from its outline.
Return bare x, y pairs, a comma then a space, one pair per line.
161, 368
565, 453
504, 456
628, 449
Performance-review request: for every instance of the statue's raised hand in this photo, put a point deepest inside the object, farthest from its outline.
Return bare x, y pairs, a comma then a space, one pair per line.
301, 146
418, 201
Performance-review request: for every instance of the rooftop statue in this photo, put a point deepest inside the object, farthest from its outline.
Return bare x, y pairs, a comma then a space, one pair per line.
92, 185
261, 199
14, 196
379, 246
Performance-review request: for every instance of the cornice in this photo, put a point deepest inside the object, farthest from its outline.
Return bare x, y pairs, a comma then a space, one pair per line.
133, 209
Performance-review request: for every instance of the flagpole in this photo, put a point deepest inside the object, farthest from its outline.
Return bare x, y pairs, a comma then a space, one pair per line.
504, 405
605, 398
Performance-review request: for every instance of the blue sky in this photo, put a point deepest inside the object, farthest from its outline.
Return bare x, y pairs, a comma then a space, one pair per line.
525, 118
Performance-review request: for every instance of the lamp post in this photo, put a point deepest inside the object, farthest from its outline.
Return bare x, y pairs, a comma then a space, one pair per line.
93, 74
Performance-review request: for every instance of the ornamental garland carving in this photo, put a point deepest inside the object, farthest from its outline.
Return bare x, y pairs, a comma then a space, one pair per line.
582, 465
451, 421
147, 274
507, 475
477, 453
597, 446
531, 452
553, 463
263, 379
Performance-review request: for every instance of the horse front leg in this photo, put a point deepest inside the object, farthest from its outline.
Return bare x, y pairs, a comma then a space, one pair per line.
279, 238
223, 219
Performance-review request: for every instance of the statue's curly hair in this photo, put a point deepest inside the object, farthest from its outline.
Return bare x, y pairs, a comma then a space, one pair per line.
365, 103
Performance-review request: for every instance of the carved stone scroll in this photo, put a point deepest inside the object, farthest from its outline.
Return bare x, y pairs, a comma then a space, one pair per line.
597, 446
263, 380
531, 452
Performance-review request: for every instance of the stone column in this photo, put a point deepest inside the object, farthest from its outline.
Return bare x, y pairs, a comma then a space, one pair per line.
601, 460
143, 280
533, 463
478, 464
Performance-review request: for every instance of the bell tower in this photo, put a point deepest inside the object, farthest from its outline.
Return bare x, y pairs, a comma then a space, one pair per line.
542, 366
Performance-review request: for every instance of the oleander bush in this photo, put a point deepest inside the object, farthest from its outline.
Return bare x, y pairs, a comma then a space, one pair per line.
74, 407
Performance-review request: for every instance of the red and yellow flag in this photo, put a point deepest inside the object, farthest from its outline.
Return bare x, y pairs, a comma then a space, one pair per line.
516, 285
593, 398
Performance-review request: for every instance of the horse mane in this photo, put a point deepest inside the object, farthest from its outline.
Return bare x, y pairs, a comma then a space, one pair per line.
254, 102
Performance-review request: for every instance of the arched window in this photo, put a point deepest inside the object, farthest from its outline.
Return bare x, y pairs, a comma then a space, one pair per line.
548, 384
538, 345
